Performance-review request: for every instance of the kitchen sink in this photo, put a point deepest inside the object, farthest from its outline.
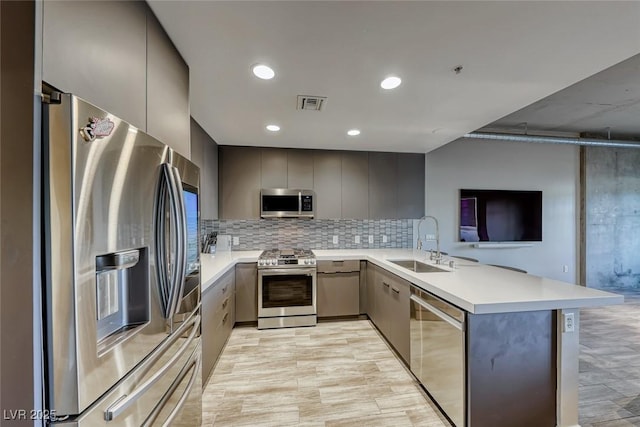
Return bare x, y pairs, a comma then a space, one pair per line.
417, 266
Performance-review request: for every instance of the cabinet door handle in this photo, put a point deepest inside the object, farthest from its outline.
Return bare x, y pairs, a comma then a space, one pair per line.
224, 319
338, 262
224, 304
224, 290
397, 291
385, 284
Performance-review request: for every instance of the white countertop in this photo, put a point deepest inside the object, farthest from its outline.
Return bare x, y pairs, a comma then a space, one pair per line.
212, 267
474, 287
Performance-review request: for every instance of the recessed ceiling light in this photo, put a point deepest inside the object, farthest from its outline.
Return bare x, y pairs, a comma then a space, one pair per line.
264, 72
390, 82
353, 132
273, 128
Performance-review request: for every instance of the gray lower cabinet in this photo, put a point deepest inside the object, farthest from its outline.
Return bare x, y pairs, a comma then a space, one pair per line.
363, 287
338, 288
398, 312
246, 292
372, 285
218, 310
388, 307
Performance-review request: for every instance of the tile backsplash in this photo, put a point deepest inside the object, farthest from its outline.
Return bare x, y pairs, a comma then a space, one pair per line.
313, 234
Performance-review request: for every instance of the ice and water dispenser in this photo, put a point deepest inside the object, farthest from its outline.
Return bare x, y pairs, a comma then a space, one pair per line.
122, 295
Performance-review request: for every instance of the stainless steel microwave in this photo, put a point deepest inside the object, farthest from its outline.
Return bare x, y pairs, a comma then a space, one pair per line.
286, 203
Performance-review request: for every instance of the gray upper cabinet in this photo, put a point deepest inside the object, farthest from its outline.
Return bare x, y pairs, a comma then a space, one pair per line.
198, 137
204, 153
347, 184
274, 167
97, 50
240, 182
382, 185
355, 184
167, 90
209, 181
410, 185
327, 180
300, 169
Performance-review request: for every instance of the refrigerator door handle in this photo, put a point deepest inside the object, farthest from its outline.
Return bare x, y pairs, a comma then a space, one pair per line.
164, 194
181, 242
170, 263
193, 364
123, 402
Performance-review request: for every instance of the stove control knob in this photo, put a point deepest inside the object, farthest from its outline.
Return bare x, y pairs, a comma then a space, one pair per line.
306, 261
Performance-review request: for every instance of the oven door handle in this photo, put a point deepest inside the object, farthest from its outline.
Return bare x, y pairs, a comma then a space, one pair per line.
286, 272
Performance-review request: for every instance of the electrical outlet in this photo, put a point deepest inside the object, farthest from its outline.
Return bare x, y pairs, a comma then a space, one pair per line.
568, 324
236, 240
335, 240
565, 268
384, 239
370, 239
356, 239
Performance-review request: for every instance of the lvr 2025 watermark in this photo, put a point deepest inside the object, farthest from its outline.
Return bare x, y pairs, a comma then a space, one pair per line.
29, 414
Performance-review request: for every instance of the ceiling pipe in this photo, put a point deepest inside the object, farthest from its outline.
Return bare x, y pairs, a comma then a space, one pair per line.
553, 140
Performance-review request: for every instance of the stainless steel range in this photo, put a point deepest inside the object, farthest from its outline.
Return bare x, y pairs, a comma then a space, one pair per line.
287, 289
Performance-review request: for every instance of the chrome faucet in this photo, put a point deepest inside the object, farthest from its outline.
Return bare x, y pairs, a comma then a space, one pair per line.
438, 256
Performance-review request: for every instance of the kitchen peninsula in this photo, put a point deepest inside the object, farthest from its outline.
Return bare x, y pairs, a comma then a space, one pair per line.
511, 318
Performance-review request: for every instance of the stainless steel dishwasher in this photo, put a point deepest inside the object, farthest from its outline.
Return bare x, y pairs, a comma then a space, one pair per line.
438, 351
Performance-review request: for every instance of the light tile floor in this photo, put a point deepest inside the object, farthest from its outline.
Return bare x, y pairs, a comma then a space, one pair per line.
610, 364
334, 374
343, 374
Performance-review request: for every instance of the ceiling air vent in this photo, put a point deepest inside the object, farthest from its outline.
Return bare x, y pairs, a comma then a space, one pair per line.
313, 103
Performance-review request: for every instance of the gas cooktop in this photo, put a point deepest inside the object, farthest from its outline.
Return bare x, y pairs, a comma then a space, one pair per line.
286, 257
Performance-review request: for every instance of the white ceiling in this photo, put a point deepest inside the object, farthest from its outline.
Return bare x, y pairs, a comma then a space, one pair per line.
513, 54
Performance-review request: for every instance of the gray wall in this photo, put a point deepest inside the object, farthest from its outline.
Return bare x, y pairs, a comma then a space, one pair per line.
612, 214
18, 250
473, 164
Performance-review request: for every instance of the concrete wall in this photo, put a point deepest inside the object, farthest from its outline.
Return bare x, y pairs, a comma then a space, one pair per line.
473, 164
612, 217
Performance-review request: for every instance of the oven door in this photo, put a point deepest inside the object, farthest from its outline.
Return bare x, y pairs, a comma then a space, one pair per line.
286, 292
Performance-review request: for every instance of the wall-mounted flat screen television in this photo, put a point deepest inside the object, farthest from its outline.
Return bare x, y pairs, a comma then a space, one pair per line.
500, 216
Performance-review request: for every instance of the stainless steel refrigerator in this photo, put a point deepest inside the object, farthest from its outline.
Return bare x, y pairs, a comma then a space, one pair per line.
122, 281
